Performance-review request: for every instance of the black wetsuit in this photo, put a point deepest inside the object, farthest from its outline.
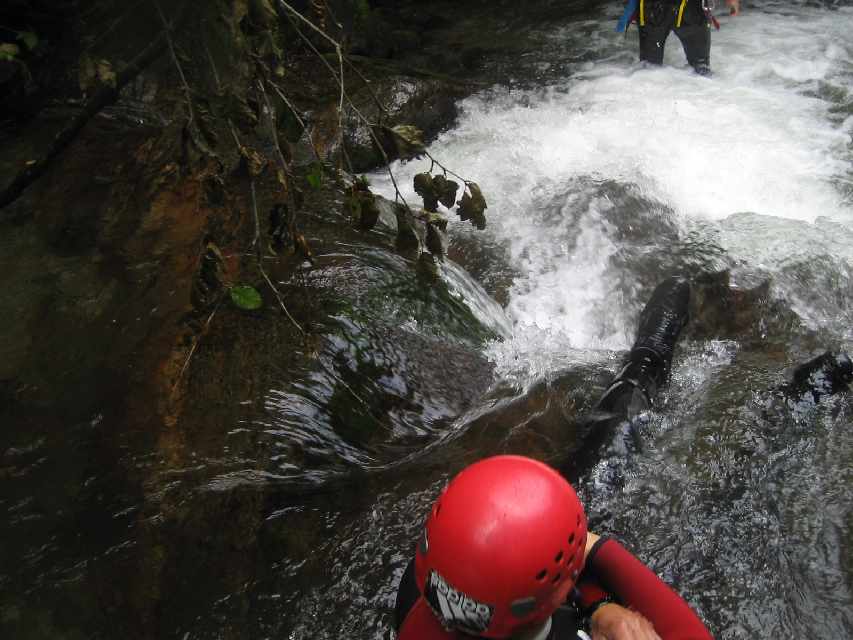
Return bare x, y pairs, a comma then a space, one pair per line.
687, 19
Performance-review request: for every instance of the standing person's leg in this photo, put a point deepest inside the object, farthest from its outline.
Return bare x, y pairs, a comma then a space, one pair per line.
656, 20
695, 36
652, 40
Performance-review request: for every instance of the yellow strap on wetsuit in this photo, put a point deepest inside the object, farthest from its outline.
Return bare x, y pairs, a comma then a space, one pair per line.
680, 12
643, 13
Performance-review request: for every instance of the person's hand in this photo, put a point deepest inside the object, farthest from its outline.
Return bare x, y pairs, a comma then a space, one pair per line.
614, 622
734, 7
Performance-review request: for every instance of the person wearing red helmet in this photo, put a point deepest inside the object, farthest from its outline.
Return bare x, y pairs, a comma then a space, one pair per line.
505, 554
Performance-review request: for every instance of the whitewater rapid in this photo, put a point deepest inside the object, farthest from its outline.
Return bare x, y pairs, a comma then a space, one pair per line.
758, 157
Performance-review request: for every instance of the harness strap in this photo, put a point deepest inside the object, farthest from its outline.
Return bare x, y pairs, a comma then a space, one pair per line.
707, 7
680, 13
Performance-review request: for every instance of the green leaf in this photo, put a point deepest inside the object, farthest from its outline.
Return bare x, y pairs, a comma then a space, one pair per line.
105, 72
246, 297
315, 178
29, 39
9, 51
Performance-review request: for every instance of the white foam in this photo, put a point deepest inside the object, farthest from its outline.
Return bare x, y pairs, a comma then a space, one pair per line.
755, 137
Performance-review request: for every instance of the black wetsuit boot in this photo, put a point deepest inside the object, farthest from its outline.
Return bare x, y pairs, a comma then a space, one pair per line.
664, 316
634, 388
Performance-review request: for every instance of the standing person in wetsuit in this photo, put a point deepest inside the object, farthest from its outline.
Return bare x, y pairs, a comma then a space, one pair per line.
689, 19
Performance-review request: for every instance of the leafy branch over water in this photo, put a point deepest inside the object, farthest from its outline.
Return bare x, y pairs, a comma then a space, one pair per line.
401, 142
230, 131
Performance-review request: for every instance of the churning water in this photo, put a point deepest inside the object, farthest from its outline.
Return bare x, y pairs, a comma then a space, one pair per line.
603, 177
757, 158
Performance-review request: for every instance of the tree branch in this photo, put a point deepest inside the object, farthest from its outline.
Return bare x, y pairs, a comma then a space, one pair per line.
105, 95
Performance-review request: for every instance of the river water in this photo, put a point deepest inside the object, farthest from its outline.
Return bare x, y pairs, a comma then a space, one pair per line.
603, 177
296, 518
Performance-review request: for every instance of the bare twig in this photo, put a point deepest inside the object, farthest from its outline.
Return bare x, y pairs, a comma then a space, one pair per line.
114, 25
287, 174
196, 343
341, 108
270, 113
167, 28
310, 24
212, 66
445, 169
261, 266
338, 78
379, 105
298, 118
288, 103
234, 135
398, 196
279, 298
103, 96
257, 221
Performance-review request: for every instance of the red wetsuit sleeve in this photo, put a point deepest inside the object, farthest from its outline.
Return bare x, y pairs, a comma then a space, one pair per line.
421, 624
637, 587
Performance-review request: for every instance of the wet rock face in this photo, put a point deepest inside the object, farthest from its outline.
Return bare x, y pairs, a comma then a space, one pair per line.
113, 245
137, 401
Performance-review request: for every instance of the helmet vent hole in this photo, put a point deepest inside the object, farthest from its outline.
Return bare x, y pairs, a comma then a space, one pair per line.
541, 575
523, 607
556, 579
572, 538
559, 557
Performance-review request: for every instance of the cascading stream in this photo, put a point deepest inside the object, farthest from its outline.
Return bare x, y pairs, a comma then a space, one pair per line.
617, 175
769, 135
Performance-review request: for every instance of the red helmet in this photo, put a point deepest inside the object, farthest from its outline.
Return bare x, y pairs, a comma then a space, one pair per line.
502, 547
